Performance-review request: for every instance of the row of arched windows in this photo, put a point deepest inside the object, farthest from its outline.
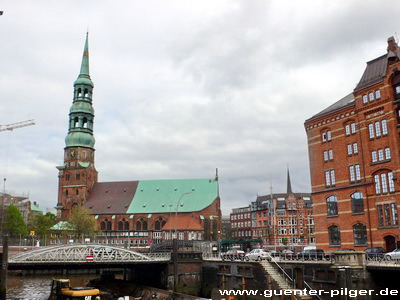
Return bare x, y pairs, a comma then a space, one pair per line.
359, 235
140, 224
82, 93
82, 123
357, 204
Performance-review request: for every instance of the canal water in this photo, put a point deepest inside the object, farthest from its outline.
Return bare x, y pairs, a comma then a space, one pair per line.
38, 287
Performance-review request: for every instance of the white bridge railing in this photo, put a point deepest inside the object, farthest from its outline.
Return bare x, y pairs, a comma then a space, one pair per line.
86, 253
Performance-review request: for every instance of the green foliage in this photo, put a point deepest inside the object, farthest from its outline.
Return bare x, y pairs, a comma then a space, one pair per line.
82, 222
43, 223
14, 222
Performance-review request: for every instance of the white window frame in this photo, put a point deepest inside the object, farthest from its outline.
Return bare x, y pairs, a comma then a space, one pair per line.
384, 127
353, 128
380, 155
391, 182
323, 136
347, 129
358, 172
328, 178
326, 155
377, 129
349, 150
333, 179
330, 154
377, 94
355, 148
352, 176
377, 184
371, 96
365, 99
384, 183
328, 135
374, 156
387, 153
371, 131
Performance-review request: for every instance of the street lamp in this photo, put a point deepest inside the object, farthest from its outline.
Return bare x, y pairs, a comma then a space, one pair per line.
176, 213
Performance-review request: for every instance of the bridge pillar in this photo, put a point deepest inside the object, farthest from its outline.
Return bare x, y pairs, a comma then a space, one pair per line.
4, 268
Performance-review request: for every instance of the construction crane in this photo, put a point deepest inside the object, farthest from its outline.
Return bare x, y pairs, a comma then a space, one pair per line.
13, 126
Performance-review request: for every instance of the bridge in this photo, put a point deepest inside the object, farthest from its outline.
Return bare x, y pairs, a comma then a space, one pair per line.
89, 255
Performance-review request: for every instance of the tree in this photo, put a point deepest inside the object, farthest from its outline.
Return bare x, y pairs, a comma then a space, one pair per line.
42, 224
82, 222
14, 222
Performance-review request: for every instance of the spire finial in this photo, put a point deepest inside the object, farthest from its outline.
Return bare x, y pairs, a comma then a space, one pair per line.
288, 185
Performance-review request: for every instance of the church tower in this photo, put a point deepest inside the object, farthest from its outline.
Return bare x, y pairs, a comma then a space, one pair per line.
78, 174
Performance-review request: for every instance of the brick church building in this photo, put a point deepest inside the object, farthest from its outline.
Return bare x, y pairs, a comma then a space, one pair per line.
354, 147
142, 212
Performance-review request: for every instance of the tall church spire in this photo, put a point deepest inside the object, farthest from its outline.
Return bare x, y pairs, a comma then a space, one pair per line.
78, 173
288, 184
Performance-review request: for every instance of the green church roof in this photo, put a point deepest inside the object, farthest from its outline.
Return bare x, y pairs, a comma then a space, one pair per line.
152, 196
165, 196
81, 107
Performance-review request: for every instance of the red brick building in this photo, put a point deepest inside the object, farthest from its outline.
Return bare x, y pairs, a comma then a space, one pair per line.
140, 212
354, 161
282, 220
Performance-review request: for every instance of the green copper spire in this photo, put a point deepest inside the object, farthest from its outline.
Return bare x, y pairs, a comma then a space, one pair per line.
85, 58
84, 77
81, 114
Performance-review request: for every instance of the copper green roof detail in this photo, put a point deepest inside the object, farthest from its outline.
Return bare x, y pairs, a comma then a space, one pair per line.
35, 208
84, 164
85, 58
169, 196
79, 139
80, 107
62, 225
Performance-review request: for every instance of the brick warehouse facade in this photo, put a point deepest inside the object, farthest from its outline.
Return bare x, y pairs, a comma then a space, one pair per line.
354, 161
138, 212
283, 220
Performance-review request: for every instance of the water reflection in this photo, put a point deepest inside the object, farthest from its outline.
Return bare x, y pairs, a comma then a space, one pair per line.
38, 287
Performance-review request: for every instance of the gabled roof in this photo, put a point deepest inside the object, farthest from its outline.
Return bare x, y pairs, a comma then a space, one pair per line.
345, 101
152, 196
374, 72
182, 223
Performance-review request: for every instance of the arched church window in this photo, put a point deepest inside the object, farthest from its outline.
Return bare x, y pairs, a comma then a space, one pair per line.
108, 223
79, 92
159, 223
85, 123
83, 154
76, 122
103, 225
139, 225
120, 225
126, 225
86, 92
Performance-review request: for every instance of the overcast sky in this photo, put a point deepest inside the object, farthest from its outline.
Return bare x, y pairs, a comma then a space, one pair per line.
181, 87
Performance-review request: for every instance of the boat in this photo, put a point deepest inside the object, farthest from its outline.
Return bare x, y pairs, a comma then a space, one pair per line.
61, 290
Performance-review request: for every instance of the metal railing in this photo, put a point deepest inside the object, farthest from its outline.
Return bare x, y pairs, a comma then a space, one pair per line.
381, 259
